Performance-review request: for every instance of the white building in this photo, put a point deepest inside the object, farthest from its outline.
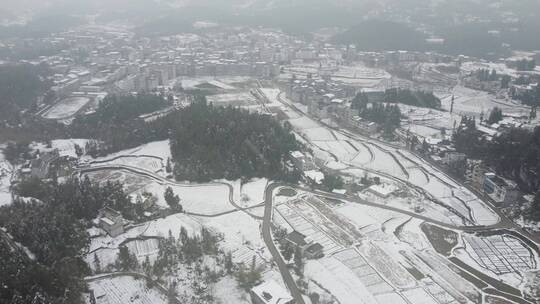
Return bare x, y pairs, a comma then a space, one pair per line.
270, 292
382, 190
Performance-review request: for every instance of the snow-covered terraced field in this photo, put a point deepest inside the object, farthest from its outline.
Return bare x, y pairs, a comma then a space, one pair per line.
143, 248
401, 165
152, 164
308, 228
125, 289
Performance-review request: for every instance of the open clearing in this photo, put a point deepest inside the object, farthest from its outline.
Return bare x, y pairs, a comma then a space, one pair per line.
125, 289
66, 108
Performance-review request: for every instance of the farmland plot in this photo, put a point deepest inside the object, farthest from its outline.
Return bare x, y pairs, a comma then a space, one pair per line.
125, 289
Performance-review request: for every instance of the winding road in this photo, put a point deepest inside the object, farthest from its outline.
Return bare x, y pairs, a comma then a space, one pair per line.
504, 223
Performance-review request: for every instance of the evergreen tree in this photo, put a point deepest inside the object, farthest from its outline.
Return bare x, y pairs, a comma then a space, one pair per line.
495, 115
229, 263
172, 200
126, 261
534, 211
298, 261
97, 264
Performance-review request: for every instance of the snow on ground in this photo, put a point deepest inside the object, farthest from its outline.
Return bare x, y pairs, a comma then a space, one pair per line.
472, 102
304, 122
339, 280
151, 164
406, 168
272, 95
207, 199
6, 170
66, 147
418, 296
367, 219
241, 236
252, 193
202, 199
106, 247
226, 291
411, 234
125, 289
159, 149
151, 157
66, 108
430, 117
194, 83
232, 99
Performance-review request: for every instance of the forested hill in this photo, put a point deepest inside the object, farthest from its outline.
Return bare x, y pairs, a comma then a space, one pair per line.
207, 142
20, 86
379, 35
210, 142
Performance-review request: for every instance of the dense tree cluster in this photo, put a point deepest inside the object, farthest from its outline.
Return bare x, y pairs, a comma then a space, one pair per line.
15, 151
524, 65
223, 142
531, 98
20, 87
360, 101
514, 153
486, 75
386, 115
116, 124
412, 98
230, 143
53, 229
118, 109
495, 115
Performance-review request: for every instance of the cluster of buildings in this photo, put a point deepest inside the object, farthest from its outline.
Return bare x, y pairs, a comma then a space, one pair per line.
503, 192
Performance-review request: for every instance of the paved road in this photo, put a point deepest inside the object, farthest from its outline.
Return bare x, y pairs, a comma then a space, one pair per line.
267, 219
267, 236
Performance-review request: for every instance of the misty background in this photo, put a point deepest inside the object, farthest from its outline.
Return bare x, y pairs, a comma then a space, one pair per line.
481, 28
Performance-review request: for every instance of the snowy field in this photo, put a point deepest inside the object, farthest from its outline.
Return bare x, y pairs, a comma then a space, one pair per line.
472, 102
272, 95
125, 289
6, 170
241, 236
66, 147
500, 254
208, 199
106, 247
357, 75
195, 83
149, 163
202, 199
159, 149
401, 167
232, 99
428, 123
252, 192
66, 108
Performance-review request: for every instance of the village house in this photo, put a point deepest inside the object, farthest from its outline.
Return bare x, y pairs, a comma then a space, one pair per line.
308, 248
111, 221
503, 192
451, 158
302, 162
382, 190
270, 292
39, 167
475, 173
